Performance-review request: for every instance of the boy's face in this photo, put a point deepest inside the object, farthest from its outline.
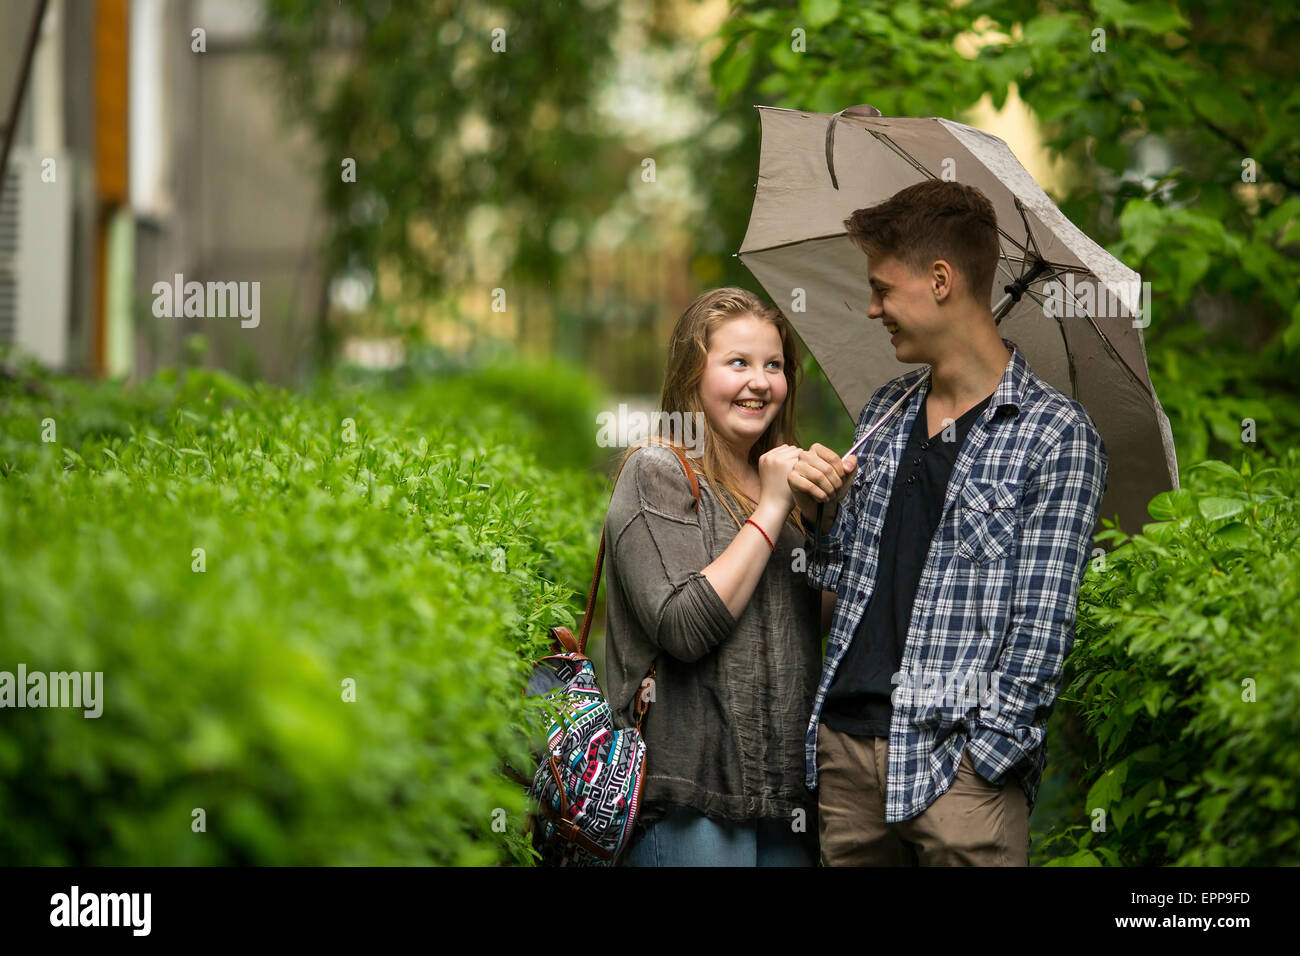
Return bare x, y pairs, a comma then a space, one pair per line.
905, 303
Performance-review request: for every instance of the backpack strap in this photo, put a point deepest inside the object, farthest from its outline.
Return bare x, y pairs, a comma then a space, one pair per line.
581, 641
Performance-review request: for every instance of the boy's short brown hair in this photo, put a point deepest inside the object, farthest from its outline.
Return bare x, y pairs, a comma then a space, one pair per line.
934, 219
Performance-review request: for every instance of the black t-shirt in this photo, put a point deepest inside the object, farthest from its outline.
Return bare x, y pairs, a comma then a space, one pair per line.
858, 700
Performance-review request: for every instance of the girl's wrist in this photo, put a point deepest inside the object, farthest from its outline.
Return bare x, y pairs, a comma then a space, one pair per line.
770, 517
767, 538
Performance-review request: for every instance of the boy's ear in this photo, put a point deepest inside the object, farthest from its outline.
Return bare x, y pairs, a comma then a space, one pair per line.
942, 279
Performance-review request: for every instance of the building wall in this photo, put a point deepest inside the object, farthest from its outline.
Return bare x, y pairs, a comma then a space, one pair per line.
221, 184
240, 203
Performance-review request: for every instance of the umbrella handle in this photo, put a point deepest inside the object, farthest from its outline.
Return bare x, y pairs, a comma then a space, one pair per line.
857, 445
849, 112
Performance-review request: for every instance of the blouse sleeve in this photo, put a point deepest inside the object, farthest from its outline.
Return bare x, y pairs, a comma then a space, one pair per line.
659, 553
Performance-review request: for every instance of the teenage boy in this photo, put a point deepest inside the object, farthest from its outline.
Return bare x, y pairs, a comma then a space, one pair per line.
955, 553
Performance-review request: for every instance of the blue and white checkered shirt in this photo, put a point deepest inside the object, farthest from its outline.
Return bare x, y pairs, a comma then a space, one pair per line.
995, 607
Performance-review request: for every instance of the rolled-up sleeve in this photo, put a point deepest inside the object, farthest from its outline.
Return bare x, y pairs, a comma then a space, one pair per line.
659, 554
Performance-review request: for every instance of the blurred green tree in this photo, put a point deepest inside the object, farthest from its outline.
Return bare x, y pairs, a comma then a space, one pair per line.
473, 131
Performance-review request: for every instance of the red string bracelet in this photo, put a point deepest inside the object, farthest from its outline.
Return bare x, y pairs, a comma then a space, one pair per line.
762, 532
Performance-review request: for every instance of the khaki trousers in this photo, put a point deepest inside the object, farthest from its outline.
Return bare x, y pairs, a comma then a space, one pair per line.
975, 823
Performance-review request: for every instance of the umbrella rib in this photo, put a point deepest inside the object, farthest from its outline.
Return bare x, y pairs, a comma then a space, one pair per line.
904, 154
1008, 260
1057, 271
792, 243
1069, 359
917, 165
1029, 233
1119, 359
1023, 250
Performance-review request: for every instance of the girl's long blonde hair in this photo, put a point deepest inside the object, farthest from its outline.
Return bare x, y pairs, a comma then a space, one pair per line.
687, 355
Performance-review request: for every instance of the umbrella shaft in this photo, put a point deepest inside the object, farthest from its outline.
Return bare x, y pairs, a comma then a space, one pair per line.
857, 446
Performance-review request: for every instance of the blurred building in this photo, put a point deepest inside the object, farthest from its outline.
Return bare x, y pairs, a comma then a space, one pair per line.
151, 143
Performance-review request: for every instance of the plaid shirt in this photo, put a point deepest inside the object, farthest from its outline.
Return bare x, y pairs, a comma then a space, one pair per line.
995, 606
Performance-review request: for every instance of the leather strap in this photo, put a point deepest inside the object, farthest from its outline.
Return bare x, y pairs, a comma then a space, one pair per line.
564, 637
569, 830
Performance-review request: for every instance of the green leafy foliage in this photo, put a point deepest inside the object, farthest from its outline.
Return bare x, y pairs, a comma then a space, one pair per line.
463, 120
549, 407
421, 559
1186, 677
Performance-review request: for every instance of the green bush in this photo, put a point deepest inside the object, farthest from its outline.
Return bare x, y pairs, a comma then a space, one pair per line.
1186, 677
548, 406
1211, 391
422, 560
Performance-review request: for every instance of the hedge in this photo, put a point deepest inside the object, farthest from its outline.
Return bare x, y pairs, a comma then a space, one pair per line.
407, 545
1185, 677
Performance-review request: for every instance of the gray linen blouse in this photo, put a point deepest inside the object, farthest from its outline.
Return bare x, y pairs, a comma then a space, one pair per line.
725, 731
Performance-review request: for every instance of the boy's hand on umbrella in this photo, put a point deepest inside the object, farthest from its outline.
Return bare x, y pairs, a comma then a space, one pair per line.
820, 476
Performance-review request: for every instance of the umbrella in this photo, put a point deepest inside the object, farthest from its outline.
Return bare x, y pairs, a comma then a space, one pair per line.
1074, 310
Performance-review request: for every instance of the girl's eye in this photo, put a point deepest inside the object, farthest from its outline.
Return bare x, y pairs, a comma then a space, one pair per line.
775, 364
735, 360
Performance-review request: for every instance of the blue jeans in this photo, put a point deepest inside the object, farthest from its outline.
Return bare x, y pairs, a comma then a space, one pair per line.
687, 838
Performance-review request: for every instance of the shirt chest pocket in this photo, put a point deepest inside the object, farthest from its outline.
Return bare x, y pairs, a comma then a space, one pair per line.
871, 472
988, 520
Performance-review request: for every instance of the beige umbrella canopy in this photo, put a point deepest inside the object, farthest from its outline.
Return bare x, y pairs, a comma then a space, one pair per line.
1074, 310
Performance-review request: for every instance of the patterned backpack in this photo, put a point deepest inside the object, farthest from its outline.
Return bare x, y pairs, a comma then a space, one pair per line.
588, 786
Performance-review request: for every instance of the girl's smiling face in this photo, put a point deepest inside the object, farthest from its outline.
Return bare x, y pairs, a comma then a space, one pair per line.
743, 386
